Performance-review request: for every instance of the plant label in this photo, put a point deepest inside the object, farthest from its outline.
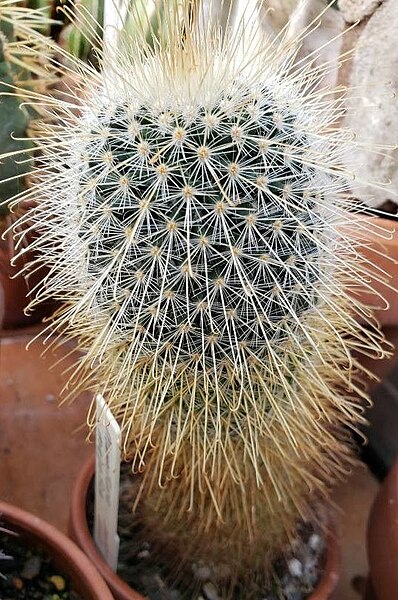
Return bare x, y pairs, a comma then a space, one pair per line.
107, 481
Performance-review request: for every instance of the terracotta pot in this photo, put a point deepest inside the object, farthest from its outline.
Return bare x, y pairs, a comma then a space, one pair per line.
66, 555
382, 540
386, 261
16, 289
79, 532
2, 309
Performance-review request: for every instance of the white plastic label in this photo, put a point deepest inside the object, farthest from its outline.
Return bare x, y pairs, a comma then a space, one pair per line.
107, 481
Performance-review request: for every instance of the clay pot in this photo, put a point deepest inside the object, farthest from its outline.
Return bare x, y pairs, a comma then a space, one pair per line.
66, 555
382, 540
79, 532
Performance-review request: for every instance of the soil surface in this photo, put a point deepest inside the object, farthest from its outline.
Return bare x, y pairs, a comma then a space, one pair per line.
294, 576
27, 573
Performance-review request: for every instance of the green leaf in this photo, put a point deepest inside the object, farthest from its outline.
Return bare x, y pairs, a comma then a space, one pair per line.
13, 124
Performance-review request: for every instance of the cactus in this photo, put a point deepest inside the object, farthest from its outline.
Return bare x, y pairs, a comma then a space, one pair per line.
23, 68
82, 43
190, 218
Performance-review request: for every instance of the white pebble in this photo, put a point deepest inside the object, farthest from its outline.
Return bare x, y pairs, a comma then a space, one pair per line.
210, 591
315, 541
295, 567
289, 590
310, 563
201, 571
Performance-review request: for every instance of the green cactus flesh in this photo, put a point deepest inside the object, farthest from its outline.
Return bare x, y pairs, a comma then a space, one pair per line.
13, 125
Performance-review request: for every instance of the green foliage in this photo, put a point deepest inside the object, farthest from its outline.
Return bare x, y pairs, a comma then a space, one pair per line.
13, 125
80, 37
23, 69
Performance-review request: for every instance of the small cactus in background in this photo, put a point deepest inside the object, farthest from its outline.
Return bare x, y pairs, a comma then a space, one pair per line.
24, 72
72, 37
189, 217
61, 26
22, 67
13, 121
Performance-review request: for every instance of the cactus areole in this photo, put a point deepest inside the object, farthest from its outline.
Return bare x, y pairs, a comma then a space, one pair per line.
23, 58
190, 212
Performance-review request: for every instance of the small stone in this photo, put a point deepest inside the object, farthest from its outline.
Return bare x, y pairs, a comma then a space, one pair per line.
296, 596
201, 571
58, 582
289, 590
159, 582
310, 563
210, 591
31, 568
315, 541
356, 10
295, 545
295, 567
18, 583
145, 545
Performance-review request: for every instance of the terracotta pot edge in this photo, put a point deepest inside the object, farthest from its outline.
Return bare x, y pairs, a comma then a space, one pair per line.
381, 524
80, 533
67, 552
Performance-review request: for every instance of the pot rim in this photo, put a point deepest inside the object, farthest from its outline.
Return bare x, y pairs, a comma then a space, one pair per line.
67, 556
382, 538
79, 531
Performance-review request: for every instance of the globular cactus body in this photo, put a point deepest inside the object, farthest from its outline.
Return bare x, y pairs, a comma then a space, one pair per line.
194, 206
210, 208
